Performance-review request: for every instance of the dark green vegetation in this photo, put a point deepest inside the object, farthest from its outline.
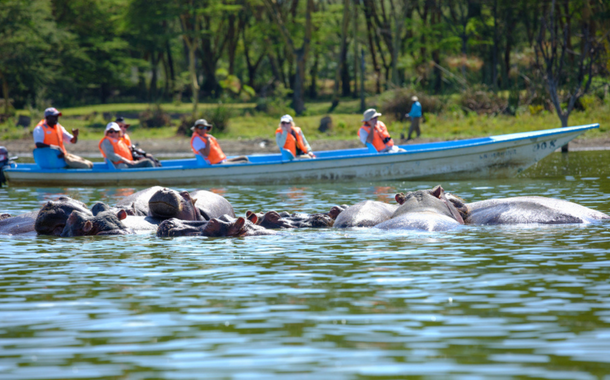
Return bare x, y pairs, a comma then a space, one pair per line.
462, 58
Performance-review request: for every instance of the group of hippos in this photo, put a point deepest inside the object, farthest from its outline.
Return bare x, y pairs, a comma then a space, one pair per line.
170, 213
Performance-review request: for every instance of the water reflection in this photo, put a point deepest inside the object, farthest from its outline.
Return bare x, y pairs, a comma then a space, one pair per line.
477, 302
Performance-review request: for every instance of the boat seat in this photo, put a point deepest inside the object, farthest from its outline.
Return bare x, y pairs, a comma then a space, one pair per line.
201, 161
371, 148
110, 165
46, 158
287, 155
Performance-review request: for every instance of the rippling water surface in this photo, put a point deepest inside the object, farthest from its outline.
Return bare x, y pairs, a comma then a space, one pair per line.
480, 302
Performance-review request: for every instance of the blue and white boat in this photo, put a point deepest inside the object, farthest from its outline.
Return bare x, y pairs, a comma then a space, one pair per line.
500, 156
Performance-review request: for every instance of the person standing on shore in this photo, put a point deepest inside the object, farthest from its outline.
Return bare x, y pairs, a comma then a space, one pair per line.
415, 115
50, 134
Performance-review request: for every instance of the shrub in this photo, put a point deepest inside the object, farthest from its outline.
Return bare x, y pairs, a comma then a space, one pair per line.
184, 129
220, 117
482, 102
395, 104
154, 117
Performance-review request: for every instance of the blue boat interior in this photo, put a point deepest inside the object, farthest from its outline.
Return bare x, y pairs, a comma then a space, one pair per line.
47, 161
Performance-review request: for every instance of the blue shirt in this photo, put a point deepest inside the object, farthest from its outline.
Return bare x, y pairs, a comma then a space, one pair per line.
415, 110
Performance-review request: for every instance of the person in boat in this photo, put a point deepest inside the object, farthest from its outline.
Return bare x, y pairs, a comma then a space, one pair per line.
136, 152
376, 133
206, 145
115, 150
415, 115
50, 134
290, 137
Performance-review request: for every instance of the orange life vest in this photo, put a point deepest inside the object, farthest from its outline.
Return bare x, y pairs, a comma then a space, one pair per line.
216, 155
120, 149
52, 135
380, 135
127, 140
291, 143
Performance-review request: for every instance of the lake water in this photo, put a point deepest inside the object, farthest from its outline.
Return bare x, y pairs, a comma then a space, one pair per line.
480, 302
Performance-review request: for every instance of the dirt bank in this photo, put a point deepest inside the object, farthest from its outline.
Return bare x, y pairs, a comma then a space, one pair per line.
181, 146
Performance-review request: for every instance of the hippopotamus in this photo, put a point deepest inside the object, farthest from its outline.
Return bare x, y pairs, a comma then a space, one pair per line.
52, 217
224, 226
137, 203
365, 214
104, 222
426, 210
273, 219
530, 209
200, 205
18, 225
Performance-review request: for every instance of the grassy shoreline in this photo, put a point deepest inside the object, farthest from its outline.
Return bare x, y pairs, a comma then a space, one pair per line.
250, 124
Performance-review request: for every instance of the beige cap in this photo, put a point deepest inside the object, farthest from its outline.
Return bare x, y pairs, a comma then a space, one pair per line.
414, 98
370, 113
201, 122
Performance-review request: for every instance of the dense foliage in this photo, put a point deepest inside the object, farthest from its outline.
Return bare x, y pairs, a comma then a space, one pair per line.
70, 52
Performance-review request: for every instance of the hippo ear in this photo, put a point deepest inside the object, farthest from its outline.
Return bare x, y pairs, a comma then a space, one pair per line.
400, 198
122, 214
237, 226
273, 216
88, 226
251, 216
334, 212
437, 191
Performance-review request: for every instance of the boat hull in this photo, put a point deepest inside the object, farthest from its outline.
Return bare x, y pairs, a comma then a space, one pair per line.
502, 156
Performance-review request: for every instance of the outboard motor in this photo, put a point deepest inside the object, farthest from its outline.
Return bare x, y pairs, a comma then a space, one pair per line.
5, 161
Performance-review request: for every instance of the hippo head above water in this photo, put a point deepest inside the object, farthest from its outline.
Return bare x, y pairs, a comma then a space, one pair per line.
167, 203
52, 217
433, 200
106, 222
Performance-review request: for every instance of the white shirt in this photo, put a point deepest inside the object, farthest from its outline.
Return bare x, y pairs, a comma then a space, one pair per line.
363, 135
198, 144
39, 134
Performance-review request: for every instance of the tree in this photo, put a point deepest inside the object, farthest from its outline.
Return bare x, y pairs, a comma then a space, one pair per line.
300, 53
567, 71
28, 36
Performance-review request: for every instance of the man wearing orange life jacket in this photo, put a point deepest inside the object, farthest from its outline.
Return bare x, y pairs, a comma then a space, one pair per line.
291, 138
115, 150
50, 134
204, 144
375, 132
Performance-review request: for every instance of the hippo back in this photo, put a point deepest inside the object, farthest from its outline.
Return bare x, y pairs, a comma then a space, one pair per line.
211, 205
20, 224
526, 210
365, 214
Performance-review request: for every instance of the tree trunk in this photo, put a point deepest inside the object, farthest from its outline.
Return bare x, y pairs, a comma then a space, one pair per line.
152, 89
564, 123
494, 59
369, 32
342, 54
355, 42
313, 87
298, 102
362, 99
5, 93
194, 83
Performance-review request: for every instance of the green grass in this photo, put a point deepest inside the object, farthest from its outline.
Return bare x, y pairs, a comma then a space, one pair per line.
249, 124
